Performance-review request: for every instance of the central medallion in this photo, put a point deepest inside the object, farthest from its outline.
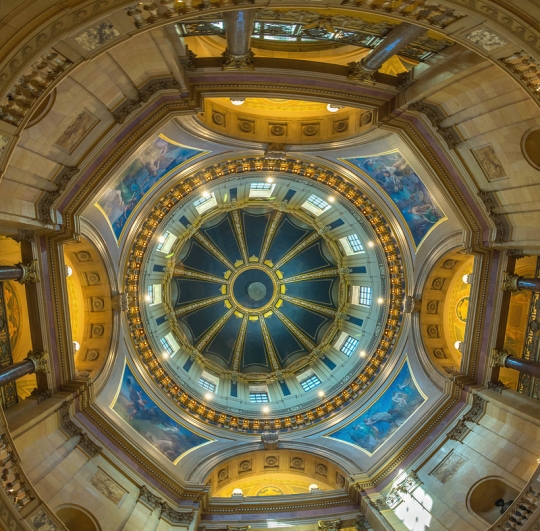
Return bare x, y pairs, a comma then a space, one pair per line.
253, 288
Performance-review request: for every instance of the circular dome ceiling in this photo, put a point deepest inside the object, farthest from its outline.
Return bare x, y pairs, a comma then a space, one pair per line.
256, 290
281, 287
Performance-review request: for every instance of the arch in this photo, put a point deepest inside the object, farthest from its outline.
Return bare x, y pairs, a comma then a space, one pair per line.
482, 496
273, 472
75, 518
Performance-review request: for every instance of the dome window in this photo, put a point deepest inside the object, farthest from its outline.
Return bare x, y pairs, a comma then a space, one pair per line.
206, 202
316, 205
258, 394
348, 345
362, 295
166, 242
263, 190
352, 245
310, 383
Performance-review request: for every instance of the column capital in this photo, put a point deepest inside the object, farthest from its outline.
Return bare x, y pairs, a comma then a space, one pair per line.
357, 71
238, 62
510, 282
499, 357
30, 272
40, 361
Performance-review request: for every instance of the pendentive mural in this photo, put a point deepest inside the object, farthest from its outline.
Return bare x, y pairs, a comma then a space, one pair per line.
401, 184
145, 170
165, 434
386, 415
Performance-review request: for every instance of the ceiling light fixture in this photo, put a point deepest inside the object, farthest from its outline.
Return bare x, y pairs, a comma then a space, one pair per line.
238, 101
161, 239
321, 393
206, 193
266, 409
371, 244
208, 396
362, 353
332, 107
380, 300
331, 199
69, 271
270, 180
147, 298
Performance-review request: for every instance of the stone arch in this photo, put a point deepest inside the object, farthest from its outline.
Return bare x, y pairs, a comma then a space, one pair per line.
75, 518
482, 496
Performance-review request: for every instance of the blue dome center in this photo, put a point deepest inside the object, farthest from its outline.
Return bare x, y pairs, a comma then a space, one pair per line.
253, 289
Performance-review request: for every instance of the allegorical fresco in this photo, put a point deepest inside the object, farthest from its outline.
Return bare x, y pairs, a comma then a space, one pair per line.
381, 420
142, 173
401, 183
144, 416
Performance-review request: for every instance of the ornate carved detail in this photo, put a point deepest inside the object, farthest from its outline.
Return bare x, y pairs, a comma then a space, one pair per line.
361, 523
40, 360
174, 516
24, 236
358, 72
411, 305
30, 86
393, 499
436, 116
191, 64
270, 440
275, 151
474, 414
149, 498
405, 80
66, 423
238, 528
501, 222
527, 69
47, 200
30, 272
510, 282
458, 432
329, 525
238, 62
120, 302
144, 93
379, 505
89, 446
516, 253
499, 357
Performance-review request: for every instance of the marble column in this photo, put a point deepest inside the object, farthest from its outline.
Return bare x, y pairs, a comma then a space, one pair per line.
514, 283
502, 358
23, 273
394, 42
238, 28
35, 362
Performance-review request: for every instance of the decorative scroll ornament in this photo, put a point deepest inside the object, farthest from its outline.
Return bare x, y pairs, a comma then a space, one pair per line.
40, 361
238, 62
510, 282
499, 357
30, 272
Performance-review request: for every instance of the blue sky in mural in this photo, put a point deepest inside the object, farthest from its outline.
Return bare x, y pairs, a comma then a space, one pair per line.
401, 183
141, 413
142, 173
376, 425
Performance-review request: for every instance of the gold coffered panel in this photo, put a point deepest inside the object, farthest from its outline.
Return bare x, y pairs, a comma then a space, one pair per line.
282, 120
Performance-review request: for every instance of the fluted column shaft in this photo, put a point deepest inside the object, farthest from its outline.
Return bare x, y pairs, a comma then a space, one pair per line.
393, 43
239, 28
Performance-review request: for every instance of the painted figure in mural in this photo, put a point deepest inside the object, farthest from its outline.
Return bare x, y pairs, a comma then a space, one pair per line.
397, 178
145, 170
143, 415
376, 425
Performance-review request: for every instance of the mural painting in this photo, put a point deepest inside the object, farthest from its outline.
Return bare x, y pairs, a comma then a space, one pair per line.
448, 467
13, 310
148, 168
385, 416
406, 190
77, 131
137, 409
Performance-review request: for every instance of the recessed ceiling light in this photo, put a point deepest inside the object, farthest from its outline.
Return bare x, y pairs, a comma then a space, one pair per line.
270, 180
321, 393
331, 199
380, 300
206, 193
238, 101
265, 409
362, 353
371, 244
161, 239
208, 396
147, 298
165, 355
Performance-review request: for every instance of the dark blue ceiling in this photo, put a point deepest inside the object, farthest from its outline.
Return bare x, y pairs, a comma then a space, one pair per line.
242, 332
